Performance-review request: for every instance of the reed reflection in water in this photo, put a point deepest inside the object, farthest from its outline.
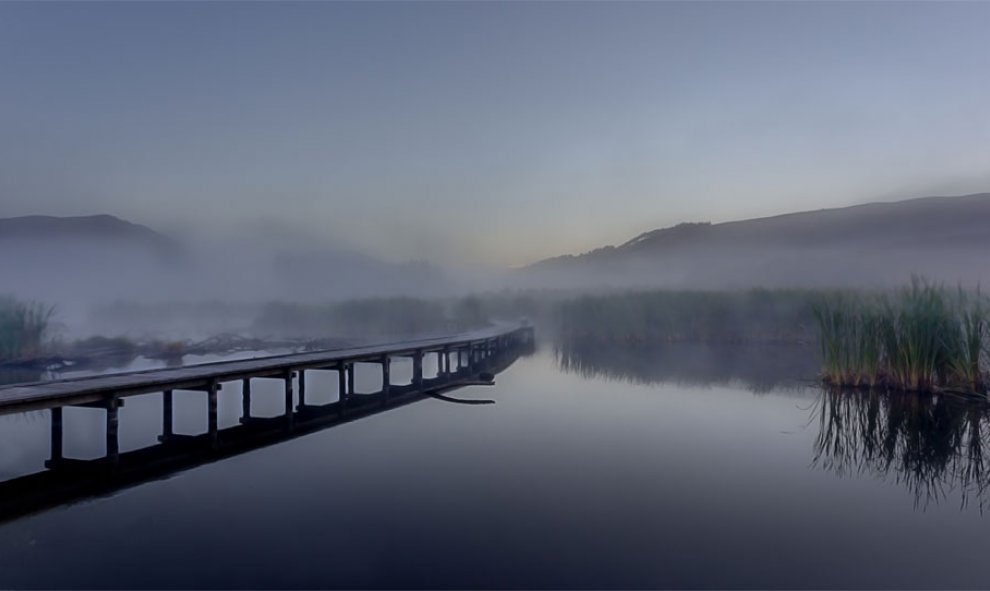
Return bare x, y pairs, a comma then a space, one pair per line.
931, 444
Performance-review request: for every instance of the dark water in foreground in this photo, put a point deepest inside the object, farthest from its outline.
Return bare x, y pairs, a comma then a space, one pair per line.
599, 474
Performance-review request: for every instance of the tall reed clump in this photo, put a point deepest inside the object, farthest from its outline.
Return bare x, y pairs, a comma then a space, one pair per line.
920, 338
23, 326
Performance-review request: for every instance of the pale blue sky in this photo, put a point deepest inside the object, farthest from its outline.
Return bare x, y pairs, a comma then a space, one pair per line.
489, 132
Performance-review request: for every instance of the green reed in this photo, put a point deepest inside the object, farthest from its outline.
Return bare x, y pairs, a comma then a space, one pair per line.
922, 337
23, 327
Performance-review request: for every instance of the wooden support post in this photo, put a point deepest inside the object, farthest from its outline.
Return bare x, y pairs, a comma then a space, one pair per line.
56, 434
211, 414
246, 399
386, 377
166, 413
350, 379
113, 443
302, 388
418, 369
288, 400
342, 384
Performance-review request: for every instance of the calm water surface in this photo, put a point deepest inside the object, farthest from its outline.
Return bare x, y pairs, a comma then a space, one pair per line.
586, 473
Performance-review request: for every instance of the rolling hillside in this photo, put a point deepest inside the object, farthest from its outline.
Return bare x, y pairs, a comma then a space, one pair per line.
943, 238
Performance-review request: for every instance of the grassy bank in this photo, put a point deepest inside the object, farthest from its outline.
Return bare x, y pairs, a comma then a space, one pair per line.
919, 338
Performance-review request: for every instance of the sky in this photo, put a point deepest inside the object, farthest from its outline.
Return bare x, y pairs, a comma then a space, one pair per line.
493, 133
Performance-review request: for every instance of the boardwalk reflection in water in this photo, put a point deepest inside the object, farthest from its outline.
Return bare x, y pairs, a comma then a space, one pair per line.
933, 445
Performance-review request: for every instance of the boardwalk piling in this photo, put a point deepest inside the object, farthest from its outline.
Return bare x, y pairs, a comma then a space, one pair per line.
246, 400
302, 388
166, 414
288, 400
56, 451
341, 386
113, 444
418, 370
211, 413
386, 377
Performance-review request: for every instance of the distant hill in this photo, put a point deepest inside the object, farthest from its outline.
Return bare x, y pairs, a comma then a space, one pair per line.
92, 229
943, 238
78, 261
70, 261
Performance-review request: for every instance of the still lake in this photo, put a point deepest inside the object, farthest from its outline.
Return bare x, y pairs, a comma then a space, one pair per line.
592, 471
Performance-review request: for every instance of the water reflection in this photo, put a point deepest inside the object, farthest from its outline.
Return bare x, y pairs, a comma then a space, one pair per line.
758, 368
930, 444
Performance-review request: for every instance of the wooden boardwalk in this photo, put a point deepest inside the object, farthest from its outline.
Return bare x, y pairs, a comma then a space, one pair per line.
477, 357
91, 390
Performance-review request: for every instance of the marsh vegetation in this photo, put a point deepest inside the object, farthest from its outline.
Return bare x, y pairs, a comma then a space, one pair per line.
24, 326
924, 337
